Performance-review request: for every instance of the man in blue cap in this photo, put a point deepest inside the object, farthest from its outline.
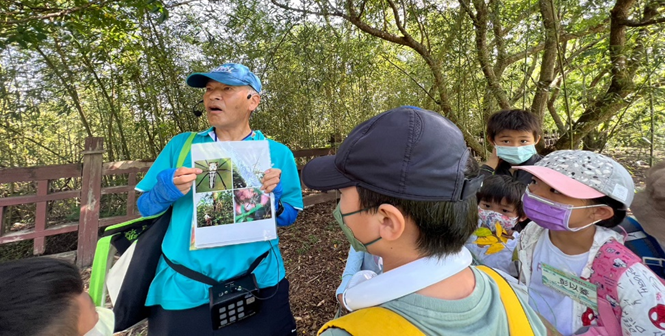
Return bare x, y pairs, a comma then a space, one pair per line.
179, 304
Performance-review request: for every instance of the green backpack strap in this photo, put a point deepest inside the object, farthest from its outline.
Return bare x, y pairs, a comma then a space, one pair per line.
185, 150
105, 253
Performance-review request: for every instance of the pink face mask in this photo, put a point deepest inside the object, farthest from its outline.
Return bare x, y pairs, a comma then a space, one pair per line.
488, 218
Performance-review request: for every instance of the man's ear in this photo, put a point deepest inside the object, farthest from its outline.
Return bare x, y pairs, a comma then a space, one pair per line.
254, 102
392, 222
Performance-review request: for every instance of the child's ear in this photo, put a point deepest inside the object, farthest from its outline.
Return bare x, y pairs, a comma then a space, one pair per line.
603, 213
537, 140
522, 218
392, 222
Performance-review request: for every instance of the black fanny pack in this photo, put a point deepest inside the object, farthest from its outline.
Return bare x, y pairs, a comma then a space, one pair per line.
231, 300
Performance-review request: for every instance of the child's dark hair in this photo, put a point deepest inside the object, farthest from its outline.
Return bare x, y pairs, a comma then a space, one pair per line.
513, 120
499, 187
444, 226
619, 211
38, 297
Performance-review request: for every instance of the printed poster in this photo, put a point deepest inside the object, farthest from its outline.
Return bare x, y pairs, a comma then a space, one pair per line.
229, 206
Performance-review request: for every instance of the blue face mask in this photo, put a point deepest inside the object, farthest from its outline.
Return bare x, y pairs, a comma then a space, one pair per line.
515, 155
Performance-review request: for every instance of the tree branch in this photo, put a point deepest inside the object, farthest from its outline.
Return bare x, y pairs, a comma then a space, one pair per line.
510, 59
551, 26
411, 78
484, 54
180, 3
631, 23
56, 14
398, 21
467, 8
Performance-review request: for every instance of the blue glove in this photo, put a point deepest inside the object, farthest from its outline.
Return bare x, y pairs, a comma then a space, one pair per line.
162, 195
288, 216
278, 191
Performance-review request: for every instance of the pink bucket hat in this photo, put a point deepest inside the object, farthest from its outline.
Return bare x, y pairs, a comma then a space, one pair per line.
584, 175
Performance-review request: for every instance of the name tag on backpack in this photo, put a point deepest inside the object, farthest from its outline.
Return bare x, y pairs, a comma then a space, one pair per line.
571, 286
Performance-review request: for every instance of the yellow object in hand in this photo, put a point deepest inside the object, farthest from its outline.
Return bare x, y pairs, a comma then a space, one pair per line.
495, 240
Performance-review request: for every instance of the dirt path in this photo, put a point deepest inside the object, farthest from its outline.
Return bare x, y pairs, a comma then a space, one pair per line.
314, 251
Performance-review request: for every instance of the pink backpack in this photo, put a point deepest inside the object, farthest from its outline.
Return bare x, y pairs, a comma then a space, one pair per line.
612, 260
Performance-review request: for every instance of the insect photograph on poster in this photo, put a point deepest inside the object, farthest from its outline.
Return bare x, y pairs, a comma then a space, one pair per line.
230, 207
217, 175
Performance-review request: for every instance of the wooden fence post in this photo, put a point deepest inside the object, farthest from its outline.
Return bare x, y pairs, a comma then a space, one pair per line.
91, 185
39, 245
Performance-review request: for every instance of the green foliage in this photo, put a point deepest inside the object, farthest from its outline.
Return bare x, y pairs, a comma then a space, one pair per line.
74, 68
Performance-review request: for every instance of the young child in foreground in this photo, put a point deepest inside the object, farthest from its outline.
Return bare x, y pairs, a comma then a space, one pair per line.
412, 202
578, 273
46, 297
500, 212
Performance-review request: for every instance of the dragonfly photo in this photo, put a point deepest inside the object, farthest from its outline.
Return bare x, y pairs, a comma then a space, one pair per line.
217, 175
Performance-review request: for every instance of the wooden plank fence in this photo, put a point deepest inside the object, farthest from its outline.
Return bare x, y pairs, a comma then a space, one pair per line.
91, 172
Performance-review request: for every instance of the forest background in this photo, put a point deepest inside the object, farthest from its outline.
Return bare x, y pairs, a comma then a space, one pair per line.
593, 70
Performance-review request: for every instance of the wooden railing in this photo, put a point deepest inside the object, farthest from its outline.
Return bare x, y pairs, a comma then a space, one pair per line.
91, 172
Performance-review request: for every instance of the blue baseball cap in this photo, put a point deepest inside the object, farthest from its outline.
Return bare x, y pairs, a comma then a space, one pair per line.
230, 74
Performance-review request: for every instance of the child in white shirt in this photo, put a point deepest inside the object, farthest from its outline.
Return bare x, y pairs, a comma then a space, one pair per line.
574, 200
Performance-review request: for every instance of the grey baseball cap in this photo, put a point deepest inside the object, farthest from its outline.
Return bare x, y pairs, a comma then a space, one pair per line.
584, 175
407, 153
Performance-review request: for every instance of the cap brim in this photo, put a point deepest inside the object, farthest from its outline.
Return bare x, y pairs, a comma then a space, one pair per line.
200, 79
321, 174
562, 183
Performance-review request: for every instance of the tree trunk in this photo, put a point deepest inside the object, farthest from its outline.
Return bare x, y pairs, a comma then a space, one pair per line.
73, 94
109, 101
547, 65
624, 67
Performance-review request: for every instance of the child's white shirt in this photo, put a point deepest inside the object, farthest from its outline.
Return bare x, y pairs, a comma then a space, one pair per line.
550, 304
641, 294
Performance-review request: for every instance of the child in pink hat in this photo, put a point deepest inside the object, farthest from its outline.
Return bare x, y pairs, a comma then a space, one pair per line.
574, 200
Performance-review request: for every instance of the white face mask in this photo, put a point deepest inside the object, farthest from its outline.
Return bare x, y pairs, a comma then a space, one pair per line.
105, 324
